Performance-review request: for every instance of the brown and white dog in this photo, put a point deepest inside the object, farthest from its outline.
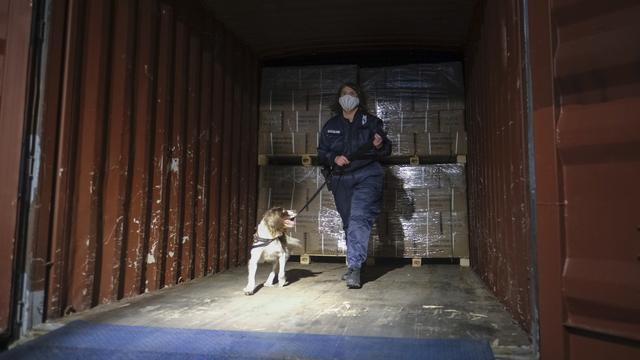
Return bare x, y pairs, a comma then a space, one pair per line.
271, 244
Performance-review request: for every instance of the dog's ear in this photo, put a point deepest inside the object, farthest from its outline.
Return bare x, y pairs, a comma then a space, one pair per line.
274, 221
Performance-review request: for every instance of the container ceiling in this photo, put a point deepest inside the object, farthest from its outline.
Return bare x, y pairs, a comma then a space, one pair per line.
281, 28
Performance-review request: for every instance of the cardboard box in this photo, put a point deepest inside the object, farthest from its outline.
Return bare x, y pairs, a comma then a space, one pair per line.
327, 200
271, 121
412, 176
460, 244
321, 102
301, 195
455, 222
458, 199
391, 121
276, 176
306, 176
402, 225
302, 121
459, 143
440, 247
451, 120
283, 143
281, 99
403, 144
413, 122
440, 199
307, 222
456, 230
281, 197
325, 244
439, 144
452, 175
406, 201
438, 102
312, 139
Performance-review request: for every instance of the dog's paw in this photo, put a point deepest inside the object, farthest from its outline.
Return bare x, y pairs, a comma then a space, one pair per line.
248, 291
269, 285
282, 283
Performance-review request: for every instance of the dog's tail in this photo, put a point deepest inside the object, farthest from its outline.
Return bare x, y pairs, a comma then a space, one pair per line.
293, 243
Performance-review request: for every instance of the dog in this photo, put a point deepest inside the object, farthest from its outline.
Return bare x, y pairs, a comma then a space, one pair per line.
271, 244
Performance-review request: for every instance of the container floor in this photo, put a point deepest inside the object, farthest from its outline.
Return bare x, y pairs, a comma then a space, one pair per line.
397, 300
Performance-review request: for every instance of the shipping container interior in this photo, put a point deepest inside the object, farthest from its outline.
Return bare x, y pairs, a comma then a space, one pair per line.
149, 173
161, 137
150, 136
135, 163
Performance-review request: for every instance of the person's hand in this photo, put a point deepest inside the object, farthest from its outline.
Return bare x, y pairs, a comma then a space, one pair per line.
377, 141
341, 160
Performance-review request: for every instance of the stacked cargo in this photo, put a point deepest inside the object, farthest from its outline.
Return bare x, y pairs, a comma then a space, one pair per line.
294, 104
424, 206
424, 212
422, 106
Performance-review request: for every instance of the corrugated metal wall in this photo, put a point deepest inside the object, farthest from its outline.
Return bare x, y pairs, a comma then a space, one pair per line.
586, 106
497, 166
15, 29
150, 162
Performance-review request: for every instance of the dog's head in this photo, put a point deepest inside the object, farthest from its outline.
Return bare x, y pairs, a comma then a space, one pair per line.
278, 220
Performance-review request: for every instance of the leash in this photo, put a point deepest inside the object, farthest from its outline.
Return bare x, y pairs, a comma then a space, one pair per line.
358, 155
313, 196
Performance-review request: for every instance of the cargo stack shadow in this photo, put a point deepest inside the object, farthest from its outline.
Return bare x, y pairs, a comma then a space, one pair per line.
397, 206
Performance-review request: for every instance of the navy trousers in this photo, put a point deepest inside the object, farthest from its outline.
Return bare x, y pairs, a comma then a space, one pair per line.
358, 197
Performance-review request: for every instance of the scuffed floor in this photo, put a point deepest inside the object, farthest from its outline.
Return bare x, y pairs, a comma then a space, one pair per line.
433, 301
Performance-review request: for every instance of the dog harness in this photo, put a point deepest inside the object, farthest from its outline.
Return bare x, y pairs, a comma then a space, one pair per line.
260, 242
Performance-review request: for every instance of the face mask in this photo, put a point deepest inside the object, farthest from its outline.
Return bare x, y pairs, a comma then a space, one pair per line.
348, 102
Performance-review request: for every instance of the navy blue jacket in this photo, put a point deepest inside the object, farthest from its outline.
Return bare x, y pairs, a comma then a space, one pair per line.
341, 137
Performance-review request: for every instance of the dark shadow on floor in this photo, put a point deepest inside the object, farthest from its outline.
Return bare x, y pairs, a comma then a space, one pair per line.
294, 275
375, 272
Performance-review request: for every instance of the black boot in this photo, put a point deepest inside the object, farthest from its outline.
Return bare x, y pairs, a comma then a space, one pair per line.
353, 279
346, 275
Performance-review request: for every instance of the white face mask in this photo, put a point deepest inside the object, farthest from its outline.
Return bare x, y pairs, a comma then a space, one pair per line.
348, 102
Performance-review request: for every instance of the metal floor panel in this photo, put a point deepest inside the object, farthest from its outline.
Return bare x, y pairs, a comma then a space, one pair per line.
432, 301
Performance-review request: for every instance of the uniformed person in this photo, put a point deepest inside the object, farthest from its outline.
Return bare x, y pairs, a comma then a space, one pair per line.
352, 143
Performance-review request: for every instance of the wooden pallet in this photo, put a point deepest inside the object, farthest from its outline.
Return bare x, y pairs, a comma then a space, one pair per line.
312, 160
305, 259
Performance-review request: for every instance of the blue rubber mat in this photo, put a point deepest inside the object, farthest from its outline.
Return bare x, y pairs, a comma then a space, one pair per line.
86, 340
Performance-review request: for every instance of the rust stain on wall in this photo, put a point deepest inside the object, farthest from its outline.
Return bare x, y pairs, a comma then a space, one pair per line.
497, 166
144, 92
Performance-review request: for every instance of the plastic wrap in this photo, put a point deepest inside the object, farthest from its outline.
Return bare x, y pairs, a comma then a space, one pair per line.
415, 87
303, 88
294, 104
423, 212
419, 204
424, 207
422, 99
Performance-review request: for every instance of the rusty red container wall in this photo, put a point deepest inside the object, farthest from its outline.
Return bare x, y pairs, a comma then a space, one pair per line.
497, 166
15, 28
143, 92
586, 105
